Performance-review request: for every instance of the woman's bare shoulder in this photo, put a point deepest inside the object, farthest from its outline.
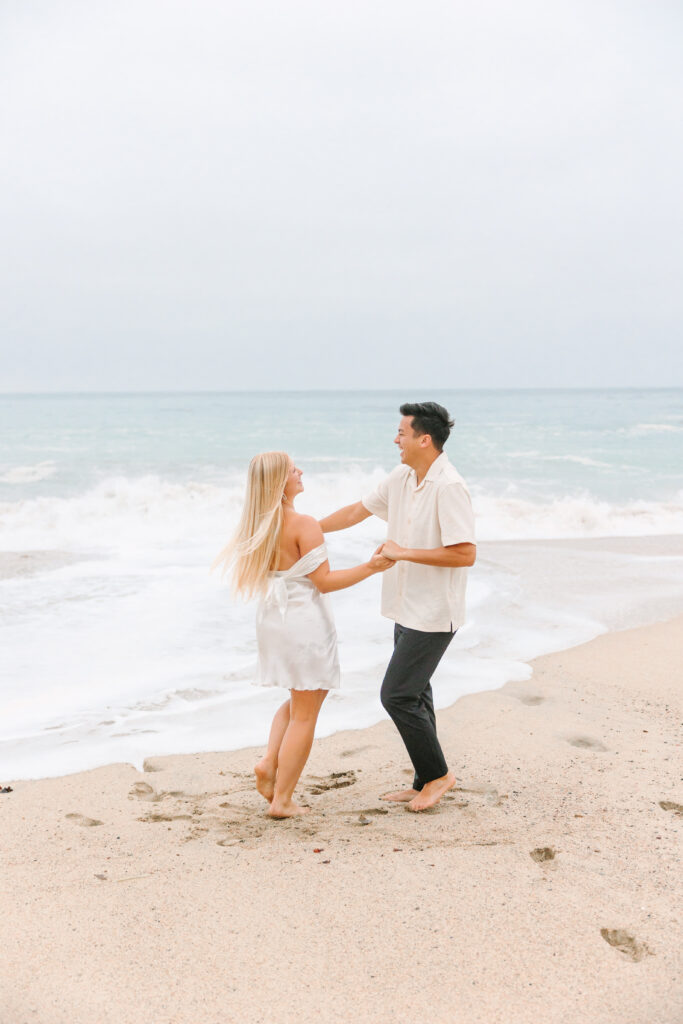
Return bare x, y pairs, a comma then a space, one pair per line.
307, 528
298, 525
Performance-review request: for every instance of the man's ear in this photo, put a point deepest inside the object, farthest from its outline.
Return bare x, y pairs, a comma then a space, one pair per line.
425, 440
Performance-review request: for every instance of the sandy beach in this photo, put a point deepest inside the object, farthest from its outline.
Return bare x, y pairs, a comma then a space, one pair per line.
408, 274
545, 887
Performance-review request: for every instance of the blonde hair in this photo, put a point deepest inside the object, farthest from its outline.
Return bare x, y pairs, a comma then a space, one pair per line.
253, 548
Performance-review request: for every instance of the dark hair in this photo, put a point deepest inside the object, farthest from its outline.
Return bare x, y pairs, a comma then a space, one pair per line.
429, 418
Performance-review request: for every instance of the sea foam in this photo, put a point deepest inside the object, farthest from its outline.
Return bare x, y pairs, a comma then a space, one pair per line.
129, 513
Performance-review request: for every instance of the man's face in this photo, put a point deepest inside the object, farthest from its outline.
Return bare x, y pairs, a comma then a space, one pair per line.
410, 444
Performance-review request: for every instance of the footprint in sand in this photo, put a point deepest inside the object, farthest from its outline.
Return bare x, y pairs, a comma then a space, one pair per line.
631, 948
450, 798
241, 839
356, 750
337, 780
531, 699
542, 854
669, 805
194, 833
143, 791
235, 807
485, 789
82, 819
149, 766
366, 812
156, 816
586, 743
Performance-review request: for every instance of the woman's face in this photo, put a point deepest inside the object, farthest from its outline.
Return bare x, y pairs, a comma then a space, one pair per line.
294, 485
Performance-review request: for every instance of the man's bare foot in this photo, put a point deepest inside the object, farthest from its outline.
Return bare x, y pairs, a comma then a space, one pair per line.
402, 796
265, 779
432, 793
287, 810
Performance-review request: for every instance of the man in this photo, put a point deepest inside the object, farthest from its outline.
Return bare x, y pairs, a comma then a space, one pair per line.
427, 507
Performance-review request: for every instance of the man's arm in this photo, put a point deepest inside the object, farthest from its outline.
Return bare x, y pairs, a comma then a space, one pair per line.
345, 517
453, 556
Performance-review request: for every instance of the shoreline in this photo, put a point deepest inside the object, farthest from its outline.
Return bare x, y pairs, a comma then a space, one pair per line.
548, 595
14, 564
543, 887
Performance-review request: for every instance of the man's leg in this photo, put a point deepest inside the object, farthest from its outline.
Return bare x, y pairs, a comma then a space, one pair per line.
427, 700
401, 796
406, 696
404, 795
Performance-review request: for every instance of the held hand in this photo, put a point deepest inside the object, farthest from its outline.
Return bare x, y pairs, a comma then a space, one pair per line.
378, 562
390, 549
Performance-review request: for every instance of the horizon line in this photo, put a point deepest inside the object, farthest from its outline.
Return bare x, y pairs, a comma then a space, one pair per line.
328, 390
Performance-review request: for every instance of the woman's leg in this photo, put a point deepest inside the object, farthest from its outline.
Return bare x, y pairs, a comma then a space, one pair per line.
294, 750
267, 767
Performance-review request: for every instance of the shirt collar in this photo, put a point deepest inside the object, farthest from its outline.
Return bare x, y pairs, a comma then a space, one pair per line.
434, 470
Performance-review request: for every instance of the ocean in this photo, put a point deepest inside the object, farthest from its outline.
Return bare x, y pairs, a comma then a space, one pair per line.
130, 647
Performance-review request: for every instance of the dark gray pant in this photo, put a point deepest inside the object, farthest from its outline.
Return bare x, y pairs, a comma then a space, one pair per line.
406, 695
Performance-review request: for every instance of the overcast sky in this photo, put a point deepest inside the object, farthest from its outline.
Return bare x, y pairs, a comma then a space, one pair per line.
207, 194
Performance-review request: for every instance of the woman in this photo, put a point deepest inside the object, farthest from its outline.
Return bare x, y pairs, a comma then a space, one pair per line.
279, 555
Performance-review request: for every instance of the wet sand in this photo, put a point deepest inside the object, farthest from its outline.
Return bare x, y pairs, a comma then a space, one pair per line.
27, 563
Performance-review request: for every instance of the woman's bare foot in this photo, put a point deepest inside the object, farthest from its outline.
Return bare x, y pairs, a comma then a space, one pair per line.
402, 796
288, 810
432, 793
265, 778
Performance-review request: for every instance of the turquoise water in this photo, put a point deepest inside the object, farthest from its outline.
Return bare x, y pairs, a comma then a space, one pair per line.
617, 446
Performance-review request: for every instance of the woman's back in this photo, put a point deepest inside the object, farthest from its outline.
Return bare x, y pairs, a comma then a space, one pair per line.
289, 551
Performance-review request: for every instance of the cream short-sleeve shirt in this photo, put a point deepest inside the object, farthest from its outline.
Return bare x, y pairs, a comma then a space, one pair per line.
434, 514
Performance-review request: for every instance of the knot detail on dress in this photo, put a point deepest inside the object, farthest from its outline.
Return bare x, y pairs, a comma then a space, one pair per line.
277, 592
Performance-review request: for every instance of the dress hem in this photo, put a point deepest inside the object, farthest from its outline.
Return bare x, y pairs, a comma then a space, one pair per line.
283, 686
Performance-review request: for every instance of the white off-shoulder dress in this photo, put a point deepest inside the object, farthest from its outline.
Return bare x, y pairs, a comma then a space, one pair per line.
295, 632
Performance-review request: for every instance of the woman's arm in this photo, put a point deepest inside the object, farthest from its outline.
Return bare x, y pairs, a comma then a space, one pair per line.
328, 580
310, 536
